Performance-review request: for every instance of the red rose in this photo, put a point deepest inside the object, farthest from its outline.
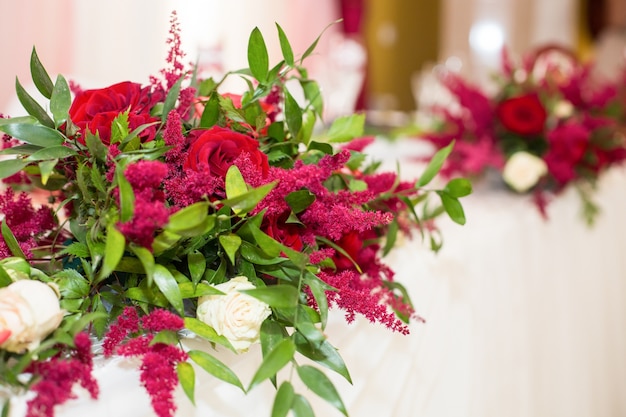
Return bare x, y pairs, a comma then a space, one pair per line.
286, 233
567, 146
523, 114
95, 110
352, 244
216, 149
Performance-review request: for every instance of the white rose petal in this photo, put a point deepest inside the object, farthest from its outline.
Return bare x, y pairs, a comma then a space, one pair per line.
523, 170
29, 311
234, 315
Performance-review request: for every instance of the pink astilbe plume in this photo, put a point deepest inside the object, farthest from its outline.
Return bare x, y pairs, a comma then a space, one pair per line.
132, 337
58, 376
151, 212
27, 223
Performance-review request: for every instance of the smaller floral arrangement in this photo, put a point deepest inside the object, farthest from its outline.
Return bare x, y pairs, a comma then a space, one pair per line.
549, 124
142, 215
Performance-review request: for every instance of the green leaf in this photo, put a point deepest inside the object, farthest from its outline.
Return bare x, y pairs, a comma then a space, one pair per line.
187, 379
300, 200
255, 255
258, 59
319, 383
273, 362
234, 182
171, 98
313, 94
9, 167
346, 128
211, 112
278, 296
206, 332
458, 187
196, 262
113, 252
318, 289
434, 165
215, 367
95, 146
127, 197
31, 105
245, 202
325, 354
285, 46
272, 333
119, 127
189, 219
453, 207
52, 152
146, 258
5, 278
312, 47
169, 287
35, 135
301, 407
293, 113
167, 337
11, 241
60, 101
283, 400
40, 76
191, 290
72, 284
390, 236
231, 244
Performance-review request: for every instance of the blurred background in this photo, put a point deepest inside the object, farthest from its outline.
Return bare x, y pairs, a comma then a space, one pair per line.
376, 59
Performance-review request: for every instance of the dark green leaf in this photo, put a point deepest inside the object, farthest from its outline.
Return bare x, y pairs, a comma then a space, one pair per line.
300, 200
324, 354
114, 249
11, 241
34, 134
278, 296
167, 337
272, 333
127, 197
215, 367
72, 284
435, 165
95, 146
32, 106
146, 258
191, 290
313, 94
52, 152
60, 101
319, 288
319, 383
458, 187
196, 263
211, 112
40, 76
453, 207
283, 400
390, 236
187, 379
285, 46
258, 59
255, 255
273, 362
301, 407
171, 98
169, 287
9, 167
293, 113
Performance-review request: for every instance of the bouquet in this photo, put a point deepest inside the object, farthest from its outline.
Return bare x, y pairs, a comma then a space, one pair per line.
548, 125
136, 215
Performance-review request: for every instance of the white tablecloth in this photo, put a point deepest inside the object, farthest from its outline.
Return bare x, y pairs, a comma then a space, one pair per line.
524, 318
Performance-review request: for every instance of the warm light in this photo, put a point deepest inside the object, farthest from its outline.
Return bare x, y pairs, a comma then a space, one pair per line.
486, 37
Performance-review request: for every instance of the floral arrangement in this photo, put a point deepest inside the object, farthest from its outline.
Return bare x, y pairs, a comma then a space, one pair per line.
549, 124
136, 215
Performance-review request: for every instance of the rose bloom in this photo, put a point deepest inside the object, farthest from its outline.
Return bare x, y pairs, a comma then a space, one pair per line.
567, 146
286, 233
29, 311
352, 244
523, 114
216, 149
523, 170
95, 110
235, 315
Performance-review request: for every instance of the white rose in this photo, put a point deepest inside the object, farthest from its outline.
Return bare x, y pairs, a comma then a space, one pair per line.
29, 311
236, 316
563, 109
523, 170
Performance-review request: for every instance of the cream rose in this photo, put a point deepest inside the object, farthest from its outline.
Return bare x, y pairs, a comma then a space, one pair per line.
234, 315
29, 311
523, 170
